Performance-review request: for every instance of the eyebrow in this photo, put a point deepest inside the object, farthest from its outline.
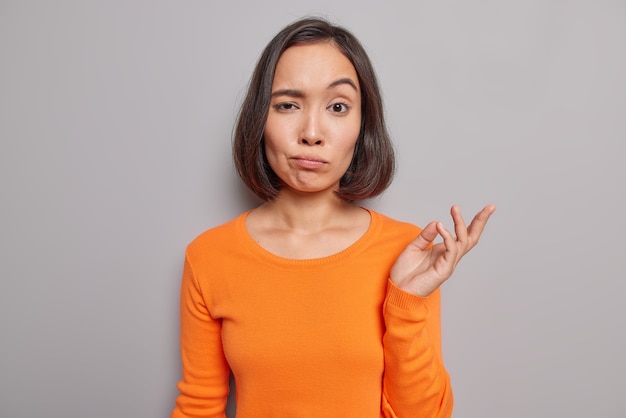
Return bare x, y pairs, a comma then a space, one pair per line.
341, 81
300, 93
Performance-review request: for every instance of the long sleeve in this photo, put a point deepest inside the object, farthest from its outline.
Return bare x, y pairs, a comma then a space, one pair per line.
204, 385
415, 382
307, 338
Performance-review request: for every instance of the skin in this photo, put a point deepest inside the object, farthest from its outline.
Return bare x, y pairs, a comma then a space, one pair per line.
422, 267
314, 118
310, 134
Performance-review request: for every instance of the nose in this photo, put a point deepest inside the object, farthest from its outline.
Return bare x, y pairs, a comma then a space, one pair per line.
312, 131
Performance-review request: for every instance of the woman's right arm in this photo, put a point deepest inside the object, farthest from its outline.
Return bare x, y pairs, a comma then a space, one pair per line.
204, 385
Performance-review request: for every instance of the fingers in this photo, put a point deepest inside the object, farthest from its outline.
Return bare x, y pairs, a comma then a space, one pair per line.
450, 244
459, 225
477, 225
426, 237
466, 236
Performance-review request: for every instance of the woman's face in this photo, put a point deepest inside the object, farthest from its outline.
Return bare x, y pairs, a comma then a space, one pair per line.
314, 118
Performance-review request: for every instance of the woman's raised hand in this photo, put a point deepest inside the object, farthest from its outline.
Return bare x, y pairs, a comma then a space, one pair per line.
422, 267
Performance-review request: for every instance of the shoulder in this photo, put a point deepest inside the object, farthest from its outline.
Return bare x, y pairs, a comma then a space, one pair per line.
384, 241
218, 237
391, 235
394, 227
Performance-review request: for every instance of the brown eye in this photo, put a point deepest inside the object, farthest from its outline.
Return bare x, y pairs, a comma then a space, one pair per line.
339, 107
285, 106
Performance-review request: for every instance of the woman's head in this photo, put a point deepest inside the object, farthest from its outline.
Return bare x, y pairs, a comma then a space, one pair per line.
372, 165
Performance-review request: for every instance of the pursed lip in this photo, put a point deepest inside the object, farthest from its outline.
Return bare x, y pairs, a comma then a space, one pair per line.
309, 161
312, 158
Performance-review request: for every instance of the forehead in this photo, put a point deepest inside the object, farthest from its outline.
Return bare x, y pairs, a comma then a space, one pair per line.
313, 64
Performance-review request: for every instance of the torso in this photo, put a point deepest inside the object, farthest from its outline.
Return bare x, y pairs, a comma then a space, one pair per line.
300, 336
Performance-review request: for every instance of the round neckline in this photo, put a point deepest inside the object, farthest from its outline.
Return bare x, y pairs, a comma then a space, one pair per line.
277, 260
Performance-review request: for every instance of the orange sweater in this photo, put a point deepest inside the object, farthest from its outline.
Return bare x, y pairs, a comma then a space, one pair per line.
327, 337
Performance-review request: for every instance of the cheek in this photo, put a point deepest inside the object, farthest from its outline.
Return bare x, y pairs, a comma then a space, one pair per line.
355, 126
269, 135
274, 134
269, 152
271, 149
350, 135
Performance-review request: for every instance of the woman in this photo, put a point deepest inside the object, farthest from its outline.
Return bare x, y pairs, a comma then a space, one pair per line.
319, 307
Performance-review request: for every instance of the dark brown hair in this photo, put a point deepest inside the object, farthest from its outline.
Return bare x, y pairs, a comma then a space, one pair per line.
373, 163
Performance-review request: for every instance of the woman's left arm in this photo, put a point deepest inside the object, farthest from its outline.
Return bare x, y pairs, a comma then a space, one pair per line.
415, 381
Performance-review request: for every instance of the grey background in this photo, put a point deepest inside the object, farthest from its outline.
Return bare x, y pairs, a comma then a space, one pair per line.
115, 125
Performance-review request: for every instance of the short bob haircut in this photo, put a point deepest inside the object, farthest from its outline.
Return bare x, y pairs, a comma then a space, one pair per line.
373, 162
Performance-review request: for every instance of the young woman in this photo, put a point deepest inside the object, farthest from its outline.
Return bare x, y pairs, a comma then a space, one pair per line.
318, 306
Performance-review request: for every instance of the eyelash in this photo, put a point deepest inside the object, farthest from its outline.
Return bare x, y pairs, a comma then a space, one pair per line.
283, 106
290, 106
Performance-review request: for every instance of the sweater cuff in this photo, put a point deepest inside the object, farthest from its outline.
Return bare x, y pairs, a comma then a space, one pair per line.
402, 299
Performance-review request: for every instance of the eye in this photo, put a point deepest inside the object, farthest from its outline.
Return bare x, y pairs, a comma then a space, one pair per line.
339, 108
285, 107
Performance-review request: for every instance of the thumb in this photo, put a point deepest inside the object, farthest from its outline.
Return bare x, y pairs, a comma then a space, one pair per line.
426, 237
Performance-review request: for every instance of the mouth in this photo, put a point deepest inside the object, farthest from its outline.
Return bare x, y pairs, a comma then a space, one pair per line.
308, 161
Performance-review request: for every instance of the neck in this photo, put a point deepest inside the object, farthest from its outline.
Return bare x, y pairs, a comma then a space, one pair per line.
309, 211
